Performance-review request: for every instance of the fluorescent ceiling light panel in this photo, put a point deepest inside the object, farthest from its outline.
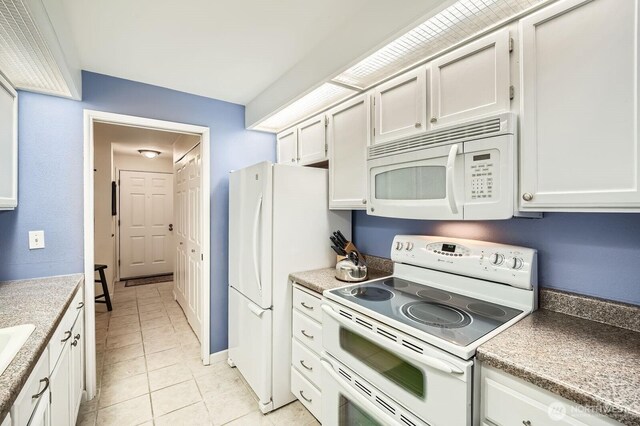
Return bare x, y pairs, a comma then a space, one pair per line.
25, 58
454, 24
312, 102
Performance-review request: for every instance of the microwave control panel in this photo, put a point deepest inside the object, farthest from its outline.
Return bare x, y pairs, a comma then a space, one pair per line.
481, 175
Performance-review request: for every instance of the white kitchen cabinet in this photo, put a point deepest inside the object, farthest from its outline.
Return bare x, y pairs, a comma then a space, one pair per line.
60, 389
400, 106
32, 402
471, 81
76, 365
348, 136
287, 146
506, 400
579, 122
312, 142
8, 146
306, 346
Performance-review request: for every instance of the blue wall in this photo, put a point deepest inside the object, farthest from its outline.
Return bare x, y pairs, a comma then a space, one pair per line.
50, 175
588, 253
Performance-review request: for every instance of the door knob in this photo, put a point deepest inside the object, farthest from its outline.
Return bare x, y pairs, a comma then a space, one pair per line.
171, 227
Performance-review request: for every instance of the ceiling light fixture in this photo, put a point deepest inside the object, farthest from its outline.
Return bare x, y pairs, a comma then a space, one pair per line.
149, 153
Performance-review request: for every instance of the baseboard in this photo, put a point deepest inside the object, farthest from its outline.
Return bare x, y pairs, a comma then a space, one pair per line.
218, 356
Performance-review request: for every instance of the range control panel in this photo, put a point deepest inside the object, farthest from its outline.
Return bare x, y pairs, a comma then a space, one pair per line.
512, 265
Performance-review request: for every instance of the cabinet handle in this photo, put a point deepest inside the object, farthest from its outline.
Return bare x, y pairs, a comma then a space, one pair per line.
46, 386
307, 306
526, 422
305, 398
80, 305
68, 334
308, 336
305, 365
433, 119
364, 201
527, 196
418, 125
74, 343
293, 160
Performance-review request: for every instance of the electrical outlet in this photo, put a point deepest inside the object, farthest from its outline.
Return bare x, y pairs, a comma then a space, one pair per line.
36, 240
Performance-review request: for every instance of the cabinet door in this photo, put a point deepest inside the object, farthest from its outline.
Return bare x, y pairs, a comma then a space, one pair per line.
8, 146
471, 81
312, 143
41, 416
287, 142
579, 119
77, 365
61, 389
400, 106
348, 135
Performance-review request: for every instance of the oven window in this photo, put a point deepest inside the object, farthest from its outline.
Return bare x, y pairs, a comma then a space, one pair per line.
384, 362
412, 183
352, 415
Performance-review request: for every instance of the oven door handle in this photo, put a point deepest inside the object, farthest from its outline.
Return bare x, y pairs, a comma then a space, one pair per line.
423, 359
451, 174
371, 409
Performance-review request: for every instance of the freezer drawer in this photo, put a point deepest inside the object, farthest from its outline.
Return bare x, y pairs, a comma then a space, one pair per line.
250, 348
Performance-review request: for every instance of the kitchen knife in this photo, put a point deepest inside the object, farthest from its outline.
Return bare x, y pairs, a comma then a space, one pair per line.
336, 242
339, 251
341, 237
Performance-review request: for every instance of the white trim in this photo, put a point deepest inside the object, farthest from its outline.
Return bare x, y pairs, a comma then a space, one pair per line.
90, 117
219, 356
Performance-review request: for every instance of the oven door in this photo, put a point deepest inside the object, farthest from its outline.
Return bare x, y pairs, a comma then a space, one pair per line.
433, 384
348, 399
424, 184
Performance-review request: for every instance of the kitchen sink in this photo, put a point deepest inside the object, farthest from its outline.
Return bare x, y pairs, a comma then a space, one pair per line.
11, 340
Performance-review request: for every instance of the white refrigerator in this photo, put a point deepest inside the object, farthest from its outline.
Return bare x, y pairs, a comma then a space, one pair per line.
279, 223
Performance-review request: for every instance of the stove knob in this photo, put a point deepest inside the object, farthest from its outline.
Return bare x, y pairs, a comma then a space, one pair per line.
515, 263
496, 259
409, 247
399, 245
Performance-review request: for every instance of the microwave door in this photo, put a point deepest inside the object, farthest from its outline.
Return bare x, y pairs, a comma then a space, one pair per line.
425, 184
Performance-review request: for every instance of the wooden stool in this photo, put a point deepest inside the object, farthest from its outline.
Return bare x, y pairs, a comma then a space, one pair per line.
105, 289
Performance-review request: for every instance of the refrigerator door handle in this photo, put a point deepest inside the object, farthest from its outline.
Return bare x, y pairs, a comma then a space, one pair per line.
256, 223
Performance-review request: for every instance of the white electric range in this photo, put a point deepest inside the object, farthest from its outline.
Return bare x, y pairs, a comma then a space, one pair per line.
400, 350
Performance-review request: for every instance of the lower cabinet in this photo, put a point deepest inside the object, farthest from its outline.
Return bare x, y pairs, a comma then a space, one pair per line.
52, 394
507, 400
306, 346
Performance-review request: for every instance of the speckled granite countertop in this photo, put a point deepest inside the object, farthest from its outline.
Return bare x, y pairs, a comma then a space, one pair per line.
320, 280
39, 301
590, 363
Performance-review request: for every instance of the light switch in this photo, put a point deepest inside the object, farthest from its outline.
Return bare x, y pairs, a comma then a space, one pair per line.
36, 240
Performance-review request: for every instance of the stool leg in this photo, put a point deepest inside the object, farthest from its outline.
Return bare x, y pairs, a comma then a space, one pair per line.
105, 289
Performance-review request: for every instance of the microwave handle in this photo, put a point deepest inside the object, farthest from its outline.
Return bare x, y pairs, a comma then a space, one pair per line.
451, 184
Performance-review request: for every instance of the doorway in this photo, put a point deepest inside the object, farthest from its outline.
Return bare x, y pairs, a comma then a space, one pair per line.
148, 243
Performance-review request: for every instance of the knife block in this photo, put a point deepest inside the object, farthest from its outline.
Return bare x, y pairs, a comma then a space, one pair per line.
349, 248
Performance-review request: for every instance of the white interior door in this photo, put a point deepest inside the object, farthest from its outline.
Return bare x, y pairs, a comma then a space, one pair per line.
146, 213
188, 279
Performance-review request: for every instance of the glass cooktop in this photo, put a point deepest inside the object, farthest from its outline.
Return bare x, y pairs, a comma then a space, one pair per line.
450, 316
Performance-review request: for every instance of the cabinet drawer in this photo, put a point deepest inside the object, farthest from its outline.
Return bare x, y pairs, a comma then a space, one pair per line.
308, 394
307, 304
25, 404
307, 331
307, 362
504, 406
63, 332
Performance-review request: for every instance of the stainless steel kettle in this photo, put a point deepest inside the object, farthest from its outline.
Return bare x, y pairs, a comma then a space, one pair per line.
347, 270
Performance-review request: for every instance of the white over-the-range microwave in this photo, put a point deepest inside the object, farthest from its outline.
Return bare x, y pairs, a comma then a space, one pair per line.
462, 172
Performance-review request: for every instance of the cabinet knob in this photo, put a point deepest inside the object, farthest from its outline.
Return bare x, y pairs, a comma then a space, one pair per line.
433, 119
526, 422
418, 125
74, 343
364, 201
527, 196
293, 160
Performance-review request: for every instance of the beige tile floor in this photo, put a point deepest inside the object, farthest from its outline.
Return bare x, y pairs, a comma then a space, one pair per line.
149, 370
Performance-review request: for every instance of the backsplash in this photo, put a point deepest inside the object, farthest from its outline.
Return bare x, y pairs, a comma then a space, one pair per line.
593, 254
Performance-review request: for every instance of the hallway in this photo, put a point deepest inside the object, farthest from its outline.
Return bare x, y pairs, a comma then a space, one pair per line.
149, 370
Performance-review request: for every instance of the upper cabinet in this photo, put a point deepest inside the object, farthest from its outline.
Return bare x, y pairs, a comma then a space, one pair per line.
304, 144
287, 146
312, 145
348, 135
579, 122
471, 81
8, 146
401, 106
